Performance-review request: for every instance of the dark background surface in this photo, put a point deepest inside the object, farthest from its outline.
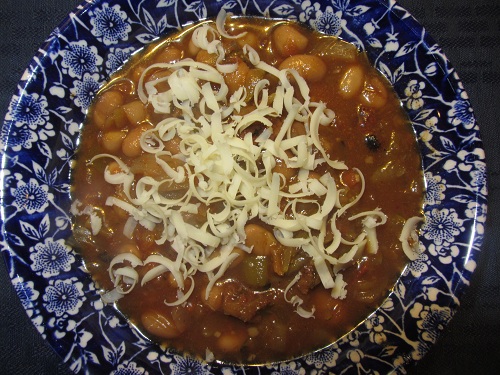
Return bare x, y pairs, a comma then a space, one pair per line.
468, 32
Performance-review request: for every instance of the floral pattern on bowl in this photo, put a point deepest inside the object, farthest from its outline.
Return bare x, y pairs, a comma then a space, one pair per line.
40, 136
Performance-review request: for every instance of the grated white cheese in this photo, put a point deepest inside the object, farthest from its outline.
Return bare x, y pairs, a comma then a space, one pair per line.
409, 237
296, 301
125, 277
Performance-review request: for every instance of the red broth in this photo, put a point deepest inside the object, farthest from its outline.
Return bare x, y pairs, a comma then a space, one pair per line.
248, 316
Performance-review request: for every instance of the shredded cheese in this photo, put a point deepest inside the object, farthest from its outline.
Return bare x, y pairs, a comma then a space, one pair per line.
409, 237
296, 301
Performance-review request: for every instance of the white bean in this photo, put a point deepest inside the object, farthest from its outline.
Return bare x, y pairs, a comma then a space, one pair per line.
352, 81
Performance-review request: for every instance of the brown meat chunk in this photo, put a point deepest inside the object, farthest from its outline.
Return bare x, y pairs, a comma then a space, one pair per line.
309, 278
242, 302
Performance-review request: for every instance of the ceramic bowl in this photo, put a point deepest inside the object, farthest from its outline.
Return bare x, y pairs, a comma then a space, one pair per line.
40, 136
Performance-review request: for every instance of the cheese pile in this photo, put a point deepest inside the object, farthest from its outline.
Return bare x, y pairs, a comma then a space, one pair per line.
225, 164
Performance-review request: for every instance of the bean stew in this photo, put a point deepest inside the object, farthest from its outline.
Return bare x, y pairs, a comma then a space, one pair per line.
247, 190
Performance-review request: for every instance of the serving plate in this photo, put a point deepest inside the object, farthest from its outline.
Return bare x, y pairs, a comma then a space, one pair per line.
40, 135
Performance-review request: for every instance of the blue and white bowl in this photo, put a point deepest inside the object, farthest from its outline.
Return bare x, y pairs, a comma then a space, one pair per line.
40, 136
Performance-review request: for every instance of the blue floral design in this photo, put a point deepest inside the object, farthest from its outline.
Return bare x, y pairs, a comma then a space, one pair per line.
418, 267
376, 329
117, 58
445, 254
31, 196
414, 94
432, 320
51, 258
442, 226
355, 356
41, 133
78, 58
25, 291
61, 325
85, 90
436, 185
18, 137
63, 297
329, 22
130, 369
29, 110
323, 358
290, 369
309, 11
83, 337
471, 159
186, 366
110, 24
391, 43
478, 178
476, 212
461, 113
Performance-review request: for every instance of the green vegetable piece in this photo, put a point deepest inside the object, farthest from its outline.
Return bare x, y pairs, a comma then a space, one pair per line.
256, 271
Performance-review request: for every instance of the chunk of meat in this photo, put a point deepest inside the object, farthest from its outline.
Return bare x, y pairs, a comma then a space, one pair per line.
309, 278
242, 302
